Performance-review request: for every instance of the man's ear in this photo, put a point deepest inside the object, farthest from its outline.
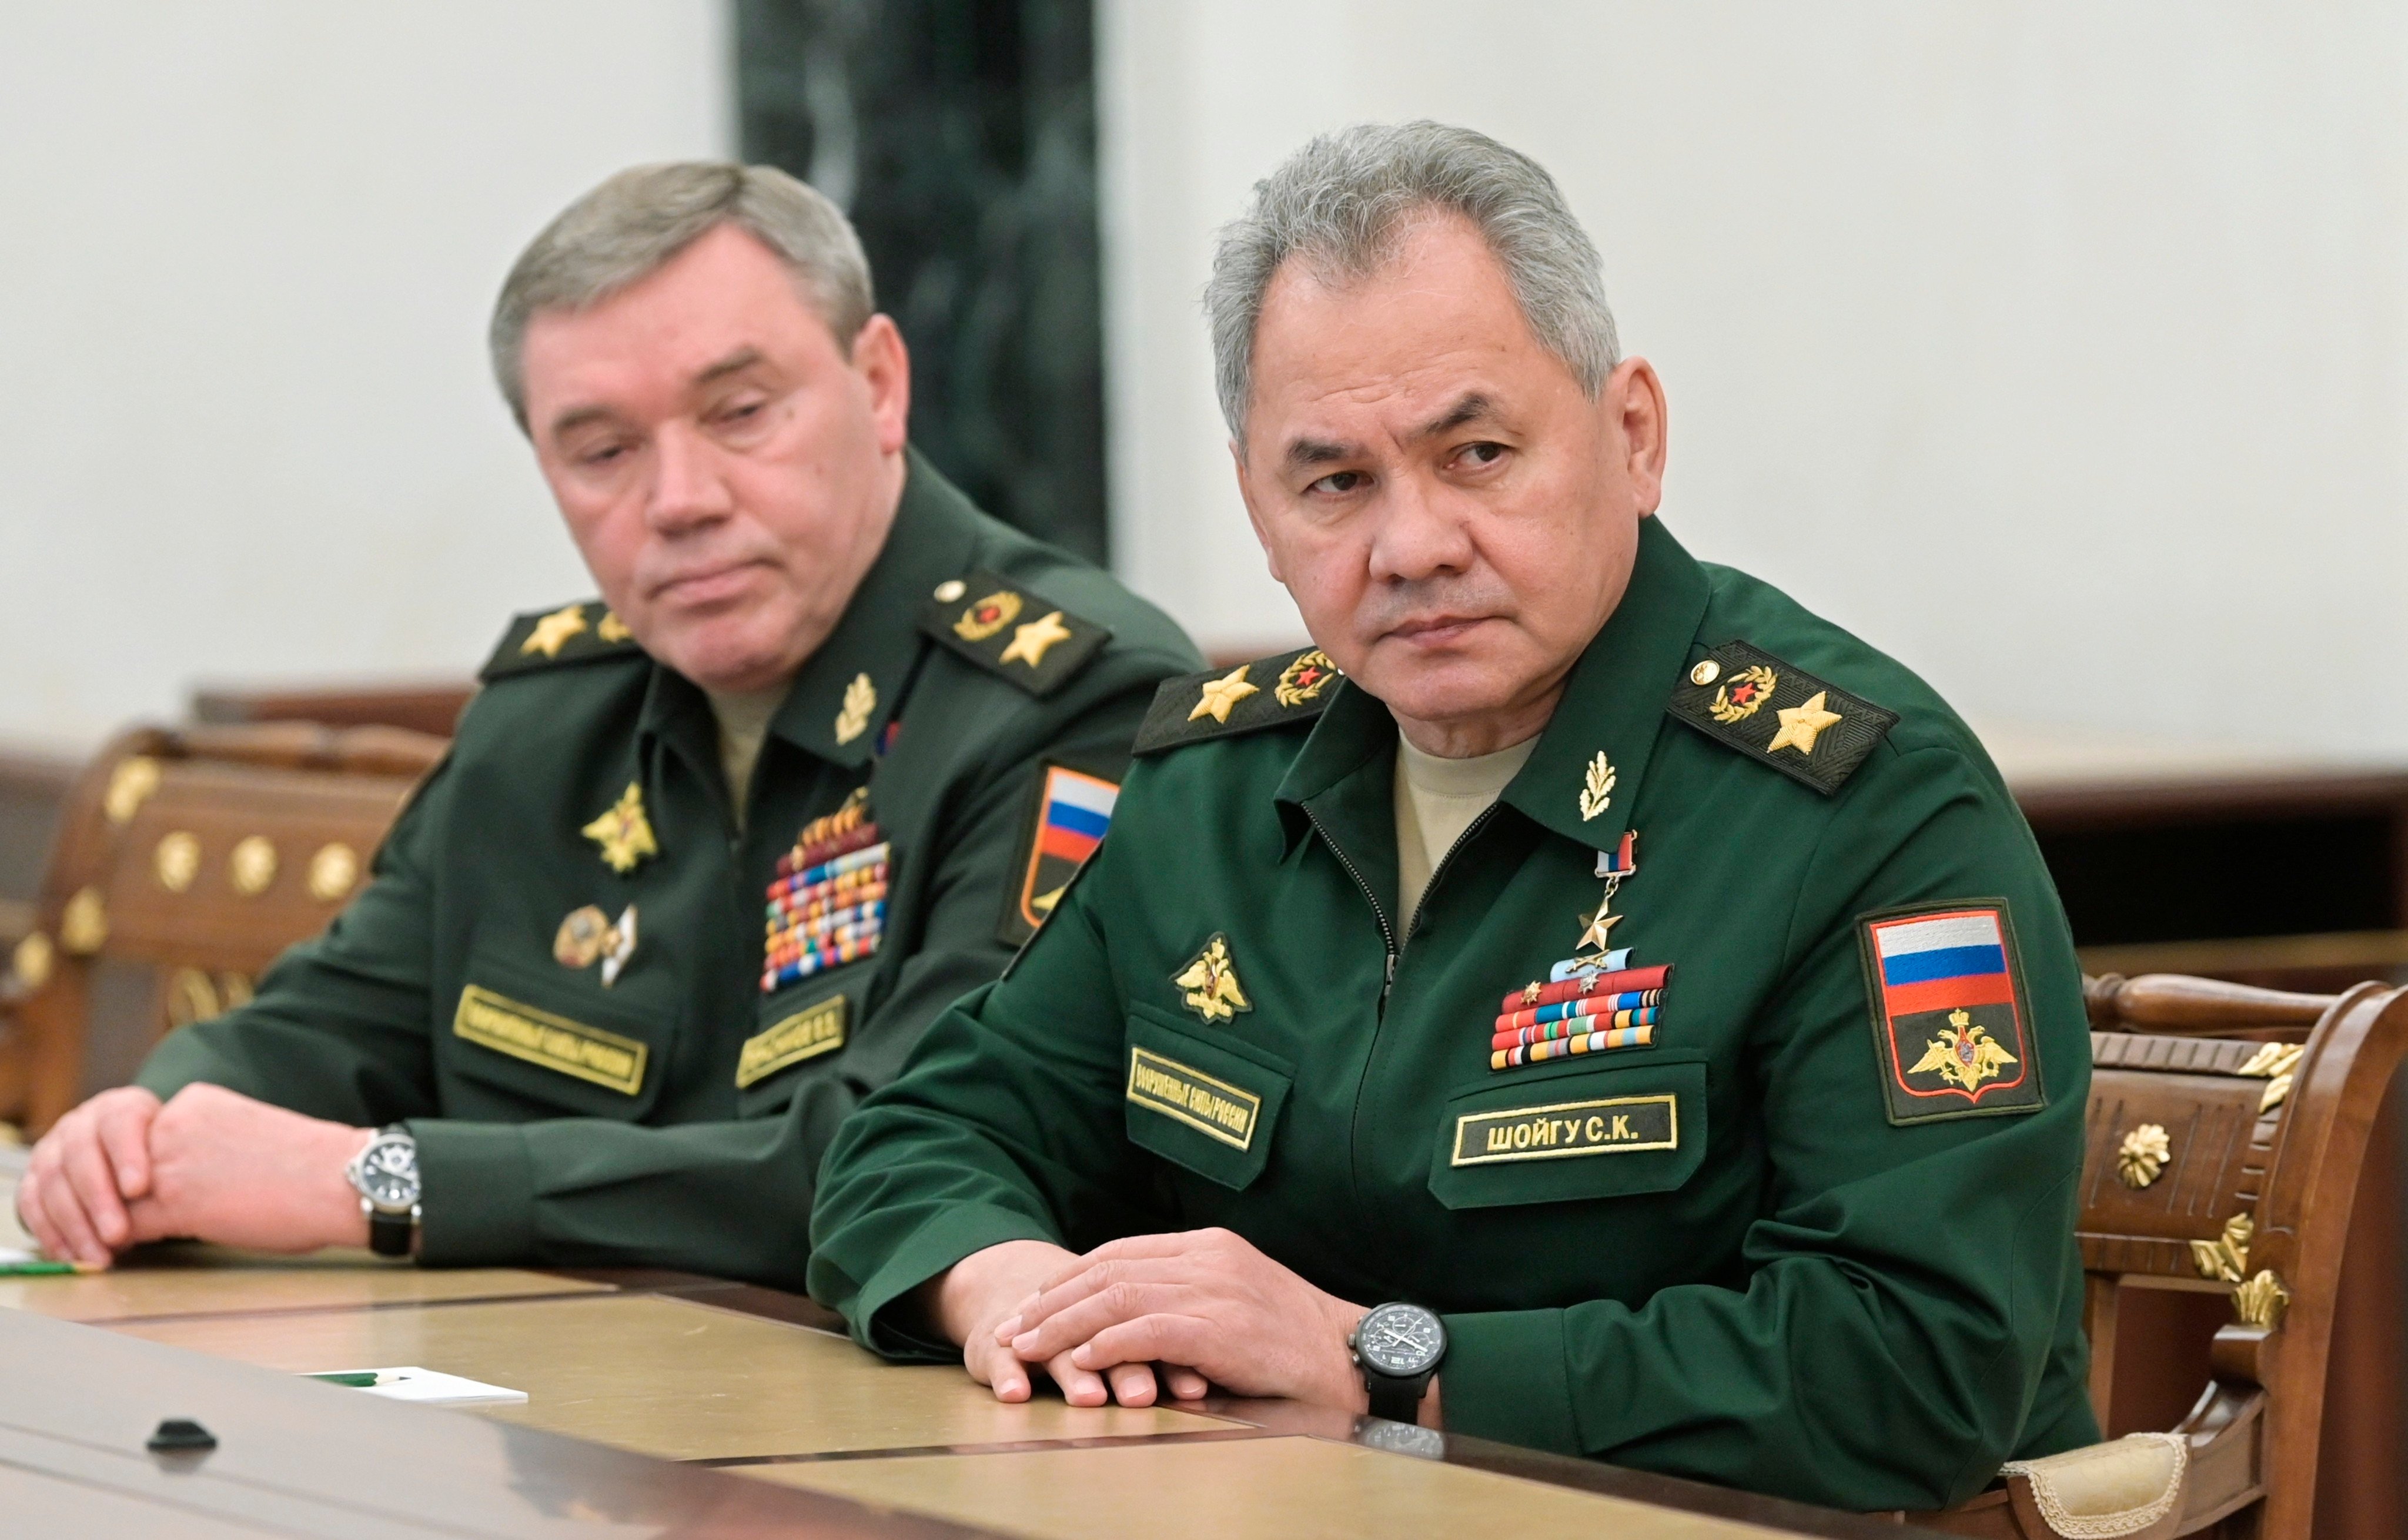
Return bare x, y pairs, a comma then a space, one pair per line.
1254, 514
885, 367
1633, 401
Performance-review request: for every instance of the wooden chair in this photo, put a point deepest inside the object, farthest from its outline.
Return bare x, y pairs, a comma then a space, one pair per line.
197, 853
2228, 1130
431, 708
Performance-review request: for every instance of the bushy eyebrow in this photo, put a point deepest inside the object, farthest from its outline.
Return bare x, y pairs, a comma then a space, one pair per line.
1306, 453
734, 363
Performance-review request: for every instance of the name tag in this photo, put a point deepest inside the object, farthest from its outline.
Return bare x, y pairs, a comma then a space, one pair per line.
805, 1034
554, 1042
1192, 1097
1614, 1126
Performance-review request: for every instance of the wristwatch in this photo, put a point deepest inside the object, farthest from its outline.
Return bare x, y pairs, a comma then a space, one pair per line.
1398, 1346
385, 1172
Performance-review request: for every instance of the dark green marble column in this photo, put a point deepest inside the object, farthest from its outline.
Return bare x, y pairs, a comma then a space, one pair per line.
960, 136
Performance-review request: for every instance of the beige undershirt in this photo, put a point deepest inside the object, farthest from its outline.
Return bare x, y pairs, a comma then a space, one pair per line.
1436, 799
743, 728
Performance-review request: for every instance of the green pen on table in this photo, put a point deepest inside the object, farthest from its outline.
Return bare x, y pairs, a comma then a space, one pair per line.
36, 1267
359, 1379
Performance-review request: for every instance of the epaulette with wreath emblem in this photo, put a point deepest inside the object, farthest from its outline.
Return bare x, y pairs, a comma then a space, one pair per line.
1005, 629
1292, 687
573, 634
1779, 715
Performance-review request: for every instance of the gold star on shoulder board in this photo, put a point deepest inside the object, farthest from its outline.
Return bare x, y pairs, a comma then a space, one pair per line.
1221, 693
624, 833
553, 629
1029, 642
1801, 724
1211, 982
613, 629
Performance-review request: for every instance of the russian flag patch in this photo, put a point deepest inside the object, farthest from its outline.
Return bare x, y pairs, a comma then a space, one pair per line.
1950, 1024
1073, 810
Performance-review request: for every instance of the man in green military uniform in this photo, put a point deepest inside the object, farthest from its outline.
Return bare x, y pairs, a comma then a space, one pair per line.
1586, 1000
709, 852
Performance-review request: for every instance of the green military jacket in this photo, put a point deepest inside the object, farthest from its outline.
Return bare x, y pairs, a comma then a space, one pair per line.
674, 1114
1798, 1217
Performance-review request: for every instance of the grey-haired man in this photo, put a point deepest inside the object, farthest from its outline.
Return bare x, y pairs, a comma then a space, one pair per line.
709, 851
1623, 1014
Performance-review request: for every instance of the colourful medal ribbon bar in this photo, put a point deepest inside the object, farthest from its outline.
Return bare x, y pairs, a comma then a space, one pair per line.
1596, 1042
1579, 1026
1595, 1005
809, 853
1604, 983
790, 893
812, 963
1622, 860
785, 913
840, 923
838, 866
793, 943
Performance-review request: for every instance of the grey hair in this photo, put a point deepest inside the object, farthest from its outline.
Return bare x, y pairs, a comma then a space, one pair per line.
636, 222
1346, 201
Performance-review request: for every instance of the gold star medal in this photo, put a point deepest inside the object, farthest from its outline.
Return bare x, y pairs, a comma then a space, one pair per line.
1221, 693
1210, 982
1029, 642
555, 628
1801, 724
624, 833
1598, 928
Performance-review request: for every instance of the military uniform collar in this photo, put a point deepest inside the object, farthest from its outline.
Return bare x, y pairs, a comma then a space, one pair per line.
1612, 706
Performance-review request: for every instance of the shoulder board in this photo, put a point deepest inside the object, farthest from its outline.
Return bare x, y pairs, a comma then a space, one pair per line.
1779, 715
573, 634
1005, 629
1292, 687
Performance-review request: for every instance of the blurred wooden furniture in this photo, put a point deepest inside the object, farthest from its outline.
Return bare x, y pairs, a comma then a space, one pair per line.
2261, 865
2228, 1134
430, 708
198, 854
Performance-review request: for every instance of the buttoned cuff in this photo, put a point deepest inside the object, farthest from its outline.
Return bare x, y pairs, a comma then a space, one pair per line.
477, 1182
935, 1246
1506, 1377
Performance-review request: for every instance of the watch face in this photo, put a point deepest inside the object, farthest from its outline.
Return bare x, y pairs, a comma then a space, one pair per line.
388, 1174
1401, 1340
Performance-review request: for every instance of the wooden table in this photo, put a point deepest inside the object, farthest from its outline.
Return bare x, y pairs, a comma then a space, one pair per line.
651, 1393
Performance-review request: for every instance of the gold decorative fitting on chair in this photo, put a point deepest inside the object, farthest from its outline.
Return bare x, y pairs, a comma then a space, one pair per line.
2142, 1155
84, 924
130, 786
251, 866
333, 870
177, 861
2261, 1301
32, 962
2226, 1257
2275, 1063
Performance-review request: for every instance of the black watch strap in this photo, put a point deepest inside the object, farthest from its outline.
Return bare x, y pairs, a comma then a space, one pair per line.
390, 1235
1397, 1400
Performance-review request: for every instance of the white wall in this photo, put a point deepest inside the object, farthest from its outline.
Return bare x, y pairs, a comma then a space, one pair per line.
2055, 348
246, 249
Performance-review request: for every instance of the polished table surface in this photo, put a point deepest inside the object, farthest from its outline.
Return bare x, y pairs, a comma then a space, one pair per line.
650, 1394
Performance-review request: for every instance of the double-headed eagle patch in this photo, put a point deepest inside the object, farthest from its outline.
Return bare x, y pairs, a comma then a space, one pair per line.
1948, 1014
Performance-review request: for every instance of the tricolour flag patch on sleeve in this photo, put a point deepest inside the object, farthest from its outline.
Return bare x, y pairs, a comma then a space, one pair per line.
1950, 1024
1073, 810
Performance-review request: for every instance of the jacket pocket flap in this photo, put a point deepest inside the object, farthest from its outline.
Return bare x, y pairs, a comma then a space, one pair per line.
1598, 1133
1208, 1105
517, 1032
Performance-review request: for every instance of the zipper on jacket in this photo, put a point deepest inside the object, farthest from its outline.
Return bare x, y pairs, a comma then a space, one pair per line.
1387, 932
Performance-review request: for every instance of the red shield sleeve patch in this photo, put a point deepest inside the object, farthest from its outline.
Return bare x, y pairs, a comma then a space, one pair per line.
1951, 1028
